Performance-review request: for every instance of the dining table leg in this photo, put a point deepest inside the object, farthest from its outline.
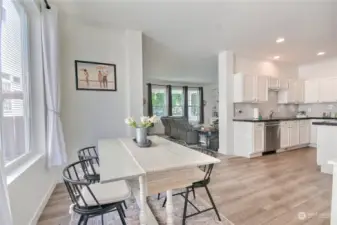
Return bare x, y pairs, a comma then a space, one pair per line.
142, 198
169, 208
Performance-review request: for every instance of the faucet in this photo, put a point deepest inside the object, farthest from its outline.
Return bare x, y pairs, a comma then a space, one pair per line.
271, 112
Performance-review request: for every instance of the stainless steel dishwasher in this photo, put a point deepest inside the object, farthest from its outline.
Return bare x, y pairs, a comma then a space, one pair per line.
272, 136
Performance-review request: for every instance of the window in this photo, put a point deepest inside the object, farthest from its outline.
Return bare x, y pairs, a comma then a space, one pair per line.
193, 105
159, 101
177, 101
14, 97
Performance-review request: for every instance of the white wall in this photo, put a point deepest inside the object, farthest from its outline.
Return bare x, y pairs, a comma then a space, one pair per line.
265, 67
90, 115
226, 127
162, 64
29, 192
325, 68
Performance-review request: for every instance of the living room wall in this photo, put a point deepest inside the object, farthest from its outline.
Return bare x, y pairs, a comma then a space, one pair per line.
90, 115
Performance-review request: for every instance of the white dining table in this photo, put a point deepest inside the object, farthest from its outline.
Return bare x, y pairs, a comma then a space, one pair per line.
122, 159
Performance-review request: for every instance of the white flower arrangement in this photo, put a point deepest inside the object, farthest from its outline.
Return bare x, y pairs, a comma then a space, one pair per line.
145, 121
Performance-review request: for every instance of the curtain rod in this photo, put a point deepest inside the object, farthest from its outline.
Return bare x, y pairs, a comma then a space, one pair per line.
47, 4
165, 85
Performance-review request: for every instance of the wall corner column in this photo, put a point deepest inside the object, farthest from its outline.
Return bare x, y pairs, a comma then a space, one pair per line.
226, 105
134, 74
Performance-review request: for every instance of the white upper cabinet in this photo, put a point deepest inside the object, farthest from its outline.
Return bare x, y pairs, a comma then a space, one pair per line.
328, 90
300, 91
283, 83
294, 94
320, 90
249, 88
311, 91
261, 88
275, 83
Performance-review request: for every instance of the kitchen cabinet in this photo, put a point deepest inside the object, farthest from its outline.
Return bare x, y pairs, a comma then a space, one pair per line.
261, 88
284, 138
259, 137
275, 83
249, 88
294, 134
304, 129
283, 83
327, 89
311, 91
313, 134
300, 91
294, 94
249, 138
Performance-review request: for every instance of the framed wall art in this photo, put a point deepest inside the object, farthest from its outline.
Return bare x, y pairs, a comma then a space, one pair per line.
95, 76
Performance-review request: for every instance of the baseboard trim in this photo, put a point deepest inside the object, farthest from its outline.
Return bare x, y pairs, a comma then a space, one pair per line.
42, 205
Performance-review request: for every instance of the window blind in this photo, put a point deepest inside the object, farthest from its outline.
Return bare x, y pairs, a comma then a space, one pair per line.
14, 94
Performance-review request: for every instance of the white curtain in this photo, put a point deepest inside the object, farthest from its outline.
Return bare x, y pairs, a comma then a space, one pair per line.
56, 152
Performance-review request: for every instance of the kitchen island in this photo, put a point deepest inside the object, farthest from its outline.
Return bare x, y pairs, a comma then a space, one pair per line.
333, 218
326, 144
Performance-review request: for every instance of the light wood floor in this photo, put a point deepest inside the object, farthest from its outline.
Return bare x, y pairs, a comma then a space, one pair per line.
269, 190
272, 190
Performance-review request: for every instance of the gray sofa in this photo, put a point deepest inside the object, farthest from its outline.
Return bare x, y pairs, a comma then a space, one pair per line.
179, 128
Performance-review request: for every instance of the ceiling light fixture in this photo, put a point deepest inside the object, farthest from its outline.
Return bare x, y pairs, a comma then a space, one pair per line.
280, 40
276, 57
320, 53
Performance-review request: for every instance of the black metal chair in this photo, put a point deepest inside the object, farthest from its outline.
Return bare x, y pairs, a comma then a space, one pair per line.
91, 200
92, 173
207, 169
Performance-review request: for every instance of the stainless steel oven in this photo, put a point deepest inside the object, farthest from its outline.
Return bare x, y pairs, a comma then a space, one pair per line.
272, 136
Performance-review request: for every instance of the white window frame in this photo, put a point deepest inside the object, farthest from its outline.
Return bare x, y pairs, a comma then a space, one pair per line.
21, 160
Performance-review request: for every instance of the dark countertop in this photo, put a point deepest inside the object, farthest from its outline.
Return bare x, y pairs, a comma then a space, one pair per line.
284, 119
325, 123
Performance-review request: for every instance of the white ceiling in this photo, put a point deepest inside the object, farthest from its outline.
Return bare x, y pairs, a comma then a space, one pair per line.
202, 29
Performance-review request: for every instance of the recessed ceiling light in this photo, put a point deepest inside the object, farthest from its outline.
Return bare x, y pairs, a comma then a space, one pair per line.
280, 40
276, 57
321, 53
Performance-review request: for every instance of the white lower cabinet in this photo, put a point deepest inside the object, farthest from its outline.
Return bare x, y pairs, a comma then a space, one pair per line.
284, 139
259, 136
304, 128
249, 138
294, 132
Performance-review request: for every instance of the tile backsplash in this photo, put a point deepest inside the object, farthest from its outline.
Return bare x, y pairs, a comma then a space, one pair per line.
317, 109
280, 110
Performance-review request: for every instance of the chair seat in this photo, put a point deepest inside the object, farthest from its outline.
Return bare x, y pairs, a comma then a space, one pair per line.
106, 193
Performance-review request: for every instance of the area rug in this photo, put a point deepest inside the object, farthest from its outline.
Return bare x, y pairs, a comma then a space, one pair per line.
132, 214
